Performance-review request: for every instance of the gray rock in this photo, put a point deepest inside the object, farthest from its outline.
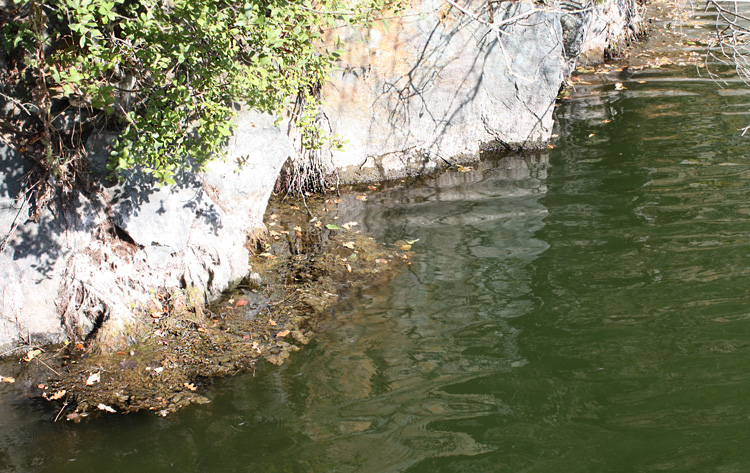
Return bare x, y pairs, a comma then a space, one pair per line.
438, 86
71, 271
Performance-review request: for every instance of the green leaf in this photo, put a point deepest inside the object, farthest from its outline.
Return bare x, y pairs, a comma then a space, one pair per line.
331, 226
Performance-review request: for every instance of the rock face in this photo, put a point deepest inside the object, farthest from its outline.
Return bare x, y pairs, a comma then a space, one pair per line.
85, 266
439, 84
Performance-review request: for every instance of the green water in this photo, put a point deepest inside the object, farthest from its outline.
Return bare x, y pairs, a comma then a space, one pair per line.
583, 311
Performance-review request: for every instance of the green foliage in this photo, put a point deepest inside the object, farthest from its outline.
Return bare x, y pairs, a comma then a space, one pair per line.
169, 73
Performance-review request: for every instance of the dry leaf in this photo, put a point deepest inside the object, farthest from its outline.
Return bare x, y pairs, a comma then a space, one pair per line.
349, 225
362, 197
283, 333
606, 121
241, 302
32, 354
267, 255
201, 330
406, 247
297, 228
271, 322
54, 397
464, 168
106, 408
348, 244
620, 86
93, 379
7, 379
381, 260
592, 134
190, 386
348, 268
372, 188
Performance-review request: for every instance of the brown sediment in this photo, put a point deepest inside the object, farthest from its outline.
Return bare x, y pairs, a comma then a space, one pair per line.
303, 267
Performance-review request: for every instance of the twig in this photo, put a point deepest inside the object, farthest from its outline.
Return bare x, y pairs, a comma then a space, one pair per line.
48, 366
61, 411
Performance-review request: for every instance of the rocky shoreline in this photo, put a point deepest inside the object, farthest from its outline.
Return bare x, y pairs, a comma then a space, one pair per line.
306, 265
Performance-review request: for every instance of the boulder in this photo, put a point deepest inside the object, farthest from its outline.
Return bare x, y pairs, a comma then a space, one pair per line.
83, 268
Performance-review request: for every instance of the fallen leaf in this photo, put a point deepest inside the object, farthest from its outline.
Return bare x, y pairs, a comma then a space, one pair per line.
348, 244
7, 379
271, 322
106, 408
241, 302
267, 255
464, 168
190, 386
348, 268
405, 247
372, 188
54, 397
606, 121
349, 225
255, 347
297, 228
72, 416
41, 386
332, 226
283, 333
362, 197
620, 86
318, 224
201, 330
32, 354
592, 134
381, 260
550, 146
93, 379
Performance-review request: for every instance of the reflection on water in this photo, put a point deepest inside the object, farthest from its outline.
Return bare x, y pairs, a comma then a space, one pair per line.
585, 311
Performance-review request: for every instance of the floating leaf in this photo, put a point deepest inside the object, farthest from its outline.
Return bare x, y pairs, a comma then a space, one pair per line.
93, 379
331, 226
54, 397
106, 408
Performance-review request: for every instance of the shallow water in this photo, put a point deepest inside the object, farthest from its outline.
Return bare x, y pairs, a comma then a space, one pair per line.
586, 311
